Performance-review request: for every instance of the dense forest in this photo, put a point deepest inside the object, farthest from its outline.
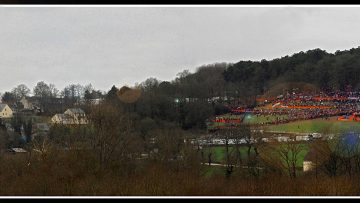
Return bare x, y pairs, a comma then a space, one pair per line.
330, 72
203, 93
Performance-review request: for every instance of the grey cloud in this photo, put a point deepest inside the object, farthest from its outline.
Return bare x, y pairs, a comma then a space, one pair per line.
106, 46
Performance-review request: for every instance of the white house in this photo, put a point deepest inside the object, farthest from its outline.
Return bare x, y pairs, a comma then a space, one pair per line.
310, 161
302, 138
26, 103
308, 166
61, 119
70, 116
77, 114
5, 111
30, 103
283, 139
17, 150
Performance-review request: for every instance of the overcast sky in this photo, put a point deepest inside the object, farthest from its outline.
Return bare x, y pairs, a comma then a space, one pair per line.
119, 45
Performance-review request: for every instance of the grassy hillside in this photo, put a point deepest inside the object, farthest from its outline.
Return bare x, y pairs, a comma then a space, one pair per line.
317, 125
249, 118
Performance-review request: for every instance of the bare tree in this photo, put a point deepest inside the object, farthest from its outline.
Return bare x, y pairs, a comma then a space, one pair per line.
247, 137
332, 157
254, 161
42, 90
225, 136
289, 155
42, 146
54, 92
169, 143
210, 153
207, 149
112, 138
349, 145
21, 91
233, 137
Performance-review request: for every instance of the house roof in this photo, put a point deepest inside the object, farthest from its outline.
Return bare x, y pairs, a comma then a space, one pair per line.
76, 110
2, 106
18, 150
63, 116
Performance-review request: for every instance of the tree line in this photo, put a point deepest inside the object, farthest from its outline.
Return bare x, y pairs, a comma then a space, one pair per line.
191, 98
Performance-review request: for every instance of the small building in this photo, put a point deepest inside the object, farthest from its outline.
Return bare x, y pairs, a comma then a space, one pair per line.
70, 117
309, 162
283, 139
26, 103
302, 138
316, 135
61, 119
30, 103
308, 165
78, 115
5, 111
96, 101
75, 112
17, 150
265, 139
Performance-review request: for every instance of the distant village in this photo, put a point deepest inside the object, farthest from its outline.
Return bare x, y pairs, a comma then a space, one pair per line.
16, 114
30, 107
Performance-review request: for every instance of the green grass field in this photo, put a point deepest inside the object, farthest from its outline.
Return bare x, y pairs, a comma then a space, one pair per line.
302, 154
253, 119
219, 153
320, 125
317, 126
272, 151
